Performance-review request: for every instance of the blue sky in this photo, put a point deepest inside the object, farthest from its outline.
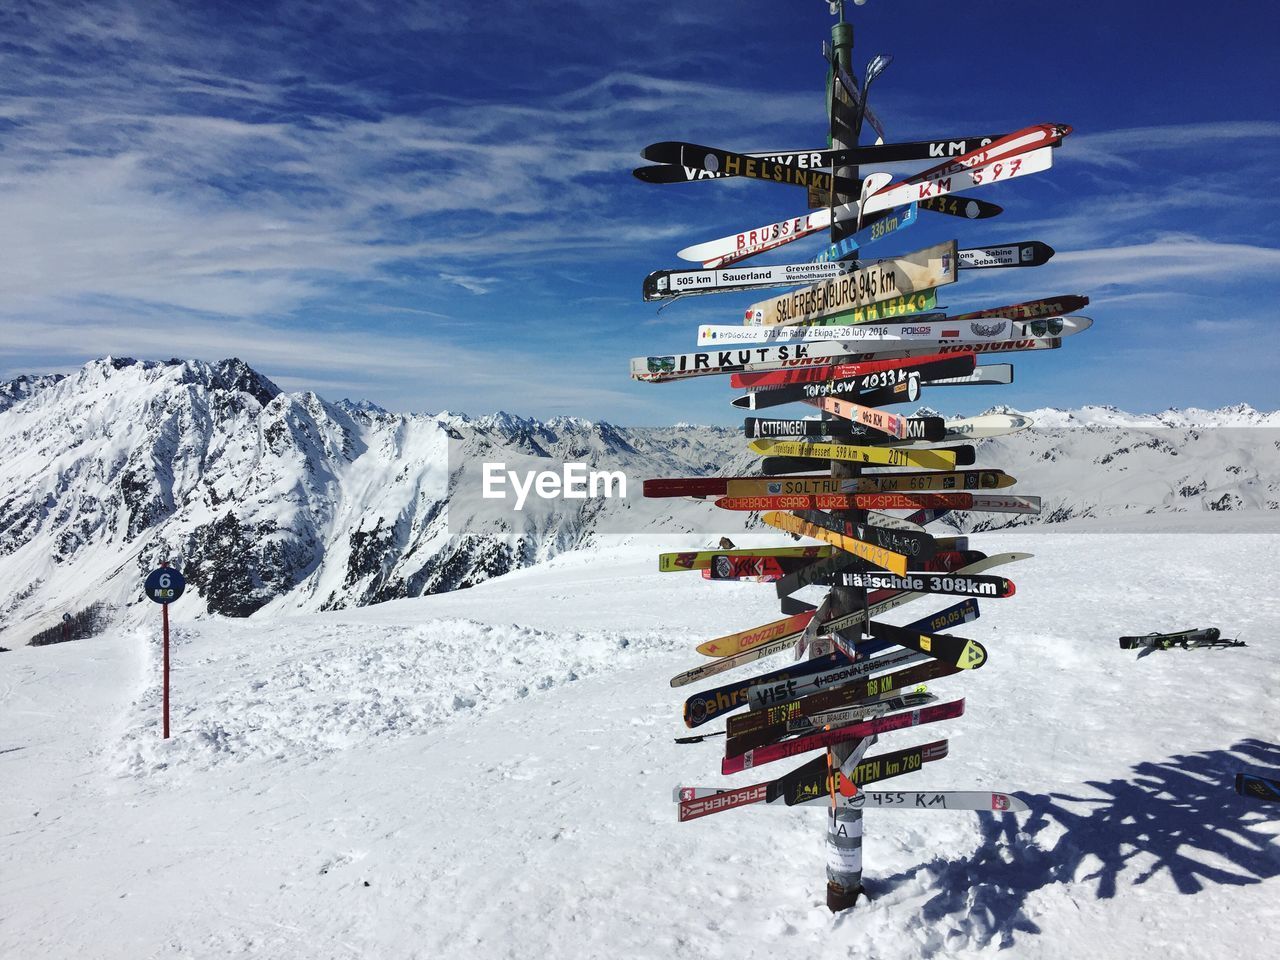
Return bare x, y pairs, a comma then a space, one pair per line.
429, 205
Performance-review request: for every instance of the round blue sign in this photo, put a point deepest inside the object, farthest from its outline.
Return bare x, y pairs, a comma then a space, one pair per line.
164, 585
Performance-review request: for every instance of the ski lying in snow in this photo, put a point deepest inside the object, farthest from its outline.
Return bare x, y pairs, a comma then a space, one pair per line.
806, 784
1258, 787
891, 223
850, 453
791, 748
1186, 639
878, 707
957, 651
851, 619
929, 429
957, 584
665, 284
922, 270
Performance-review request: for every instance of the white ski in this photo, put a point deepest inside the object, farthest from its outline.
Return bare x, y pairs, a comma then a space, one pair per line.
872, 335
995, 374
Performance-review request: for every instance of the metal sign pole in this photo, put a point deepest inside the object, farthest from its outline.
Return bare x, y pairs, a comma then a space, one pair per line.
844, 825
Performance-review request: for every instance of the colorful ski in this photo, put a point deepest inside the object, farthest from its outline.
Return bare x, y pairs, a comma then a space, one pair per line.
929, 429
848, 694
1031, 309
922, 270
853, 731
847, 247
937, 334
832, 369
841, 622
883, 456
872, 553
1026, 151
958, 651
805, 785
887, 386
1187, 640
919, 482
763, 694
776, 733
712, 160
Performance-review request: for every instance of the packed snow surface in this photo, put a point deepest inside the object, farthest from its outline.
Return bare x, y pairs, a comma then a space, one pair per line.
488, 773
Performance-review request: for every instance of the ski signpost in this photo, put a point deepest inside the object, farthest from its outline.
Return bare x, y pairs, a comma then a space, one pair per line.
853, 338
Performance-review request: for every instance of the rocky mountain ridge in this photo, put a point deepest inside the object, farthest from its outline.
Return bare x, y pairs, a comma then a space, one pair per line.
274, 501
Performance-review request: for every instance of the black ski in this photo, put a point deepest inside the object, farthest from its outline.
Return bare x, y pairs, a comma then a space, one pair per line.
712, 159
917, 546
929, 429
884, 386
1252, 785
1186, 639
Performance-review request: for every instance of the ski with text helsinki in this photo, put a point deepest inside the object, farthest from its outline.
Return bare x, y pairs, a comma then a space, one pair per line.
853, 731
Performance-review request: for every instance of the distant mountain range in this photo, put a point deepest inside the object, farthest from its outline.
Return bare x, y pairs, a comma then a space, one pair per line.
284, 501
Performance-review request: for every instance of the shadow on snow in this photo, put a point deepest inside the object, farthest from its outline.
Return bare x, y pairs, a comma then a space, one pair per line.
1181, 816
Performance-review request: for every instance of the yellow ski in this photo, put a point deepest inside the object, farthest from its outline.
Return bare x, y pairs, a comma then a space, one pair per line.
879, 456
881, 557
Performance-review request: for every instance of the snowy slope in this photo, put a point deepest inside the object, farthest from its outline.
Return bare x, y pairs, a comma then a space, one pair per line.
489, 772
271, 501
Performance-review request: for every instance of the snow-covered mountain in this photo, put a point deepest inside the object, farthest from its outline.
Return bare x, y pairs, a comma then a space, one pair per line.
285, 501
